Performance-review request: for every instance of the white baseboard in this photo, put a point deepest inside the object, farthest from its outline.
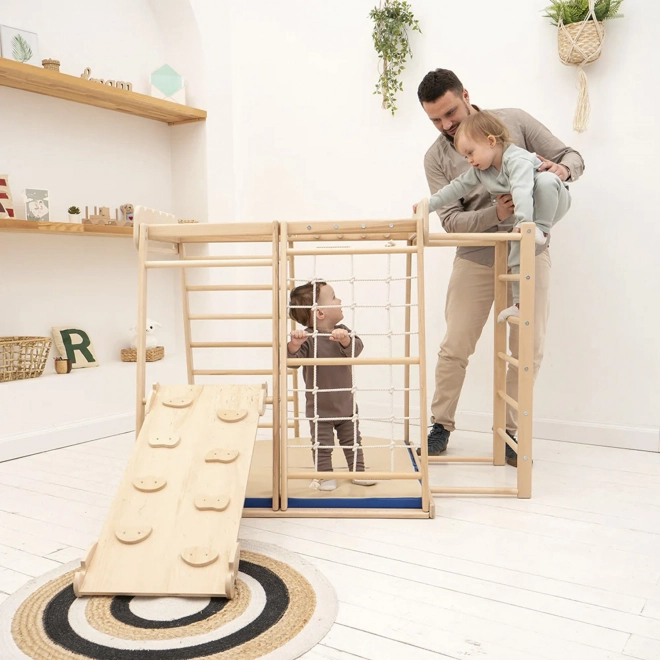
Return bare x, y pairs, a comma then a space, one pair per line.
64, 436
625, 437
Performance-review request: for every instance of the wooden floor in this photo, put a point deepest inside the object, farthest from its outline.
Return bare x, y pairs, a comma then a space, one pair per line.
573, 574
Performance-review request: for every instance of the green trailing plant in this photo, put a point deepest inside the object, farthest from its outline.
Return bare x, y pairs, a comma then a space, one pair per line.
21, 49
392, 19
73, 210
575, 11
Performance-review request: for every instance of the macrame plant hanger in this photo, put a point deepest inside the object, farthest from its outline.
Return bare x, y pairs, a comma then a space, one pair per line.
580, 44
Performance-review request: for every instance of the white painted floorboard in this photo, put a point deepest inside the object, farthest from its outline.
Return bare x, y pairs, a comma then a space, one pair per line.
572, 574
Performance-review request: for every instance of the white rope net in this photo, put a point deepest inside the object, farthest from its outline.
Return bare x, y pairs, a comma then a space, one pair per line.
390, 333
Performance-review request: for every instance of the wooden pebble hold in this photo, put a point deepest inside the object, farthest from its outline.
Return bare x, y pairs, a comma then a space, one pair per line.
232, 415
149, 484
132, 535
199, 556
210, 503
221, 456
178, 402
165, 441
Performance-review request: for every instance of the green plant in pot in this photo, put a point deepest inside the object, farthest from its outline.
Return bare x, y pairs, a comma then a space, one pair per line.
392, 19
74, 214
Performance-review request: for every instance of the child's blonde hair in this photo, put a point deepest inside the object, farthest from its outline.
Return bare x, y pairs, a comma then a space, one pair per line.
480, 125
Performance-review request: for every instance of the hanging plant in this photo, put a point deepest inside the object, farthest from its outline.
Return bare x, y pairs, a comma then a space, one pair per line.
391, 22
580, 36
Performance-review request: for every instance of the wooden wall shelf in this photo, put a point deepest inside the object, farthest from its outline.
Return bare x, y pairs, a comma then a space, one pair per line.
46, 228
63, 86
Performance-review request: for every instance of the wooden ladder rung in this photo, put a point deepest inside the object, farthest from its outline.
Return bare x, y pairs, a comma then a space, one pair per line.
507, 438
468, 490
460, 459
230, 317
513, 320
229, 287
208, 263
508, 358
512, 402
231, 344
230, 372
509, 278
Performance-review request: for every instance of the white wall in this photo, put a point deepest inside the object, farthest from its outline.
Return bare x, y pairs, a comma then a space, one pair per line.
295, 133
83, 156
311, 142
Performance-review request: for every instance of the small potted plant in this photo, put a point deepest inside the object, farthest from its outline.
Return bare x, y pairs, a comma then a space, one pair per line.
74, 214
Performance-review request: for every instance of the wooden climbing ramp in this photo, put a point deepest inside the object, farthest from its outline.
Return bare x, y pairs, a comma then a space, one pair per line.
172, 529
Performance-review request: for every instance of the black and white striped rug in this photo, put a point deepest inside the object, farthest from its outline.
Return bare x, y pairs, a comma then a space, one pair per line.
283, 607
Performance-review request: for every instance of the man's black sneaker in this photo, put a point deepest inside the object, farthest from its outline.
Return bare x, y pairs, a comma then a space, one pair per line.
438, 439
511, 455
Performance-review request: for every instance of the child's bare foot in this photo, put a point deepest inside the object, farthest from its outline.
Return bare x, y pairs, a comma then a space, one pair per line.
514, 310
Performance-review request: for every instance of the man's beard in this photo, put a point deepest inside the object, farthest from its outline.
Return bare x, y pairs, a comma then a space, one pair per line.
450, 138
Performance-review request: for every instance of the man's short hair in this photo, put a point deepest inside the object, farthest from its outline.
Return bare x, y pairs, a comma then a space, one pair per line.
301, 300
436, 84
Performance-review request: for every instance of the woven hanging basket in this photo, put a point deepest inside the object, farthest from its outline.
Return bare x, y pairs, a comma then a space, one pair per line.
580, 44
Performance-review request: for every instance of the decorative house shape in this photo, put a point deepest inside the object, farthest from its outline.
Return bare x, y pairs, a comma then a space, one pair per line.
167, 84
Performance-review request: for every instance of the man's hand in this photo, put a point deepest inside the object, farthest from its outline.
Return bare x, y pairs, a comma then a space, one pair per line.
555, 168
298, 338
342, 336
505, 206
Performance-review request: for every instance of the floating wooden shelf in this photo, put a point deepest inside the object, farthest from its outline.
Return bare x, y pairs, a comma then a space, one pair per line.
63, 86
65, 228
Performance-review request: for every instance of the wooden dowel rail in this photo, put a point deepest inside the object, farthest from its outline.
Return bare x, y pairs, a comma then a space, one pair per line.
309, 362
509, 441
468, 490
508, 358
512, 402
230, 317
460, 459
209, 263
378, 476
302, 252
484, 236
231, 344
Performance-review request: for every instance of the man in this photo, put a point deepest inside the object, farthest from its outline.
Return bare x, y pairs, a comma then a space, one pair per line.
471, 288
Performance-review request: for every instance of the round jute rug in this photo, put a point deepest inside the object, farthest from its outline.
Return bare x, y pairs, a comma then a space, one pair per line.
282, 608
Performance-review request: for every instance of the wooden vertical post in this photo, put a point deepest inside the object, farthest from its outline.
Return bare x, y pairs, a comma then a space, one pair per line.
284, 408
526, 360
277, 430
406, 368
295, 374
421, 329
499, 346
140, 401
187, 330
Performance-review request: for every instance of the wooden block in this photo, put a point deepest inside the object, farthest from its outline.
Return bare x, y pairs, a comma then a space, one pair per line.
133, 534
221, 456
232, 415
149, 484
165, 441
178, 402
199, 556
210, 503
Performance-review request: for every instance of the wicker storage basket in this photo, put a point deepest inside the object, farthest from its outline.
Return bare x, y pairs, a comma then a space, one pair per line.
580, 43
153, 354
23, 357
